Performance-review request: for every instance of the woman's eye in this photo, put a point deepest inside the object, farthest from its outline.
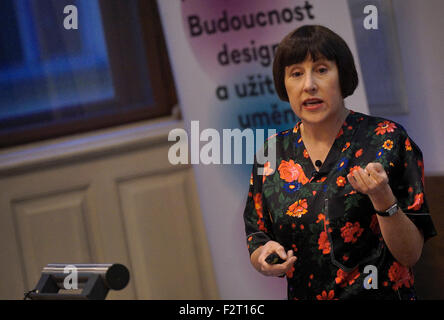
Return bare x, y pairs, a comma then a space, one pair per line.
322, 70
296, 74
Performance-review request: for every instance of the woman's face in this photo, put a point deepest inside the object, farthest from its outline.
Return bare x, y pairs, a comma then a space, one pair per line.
313, 90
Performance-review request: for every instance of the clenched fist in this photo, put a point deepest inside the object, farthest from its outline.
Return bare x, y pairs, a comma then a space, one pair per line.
370, 180
373, 181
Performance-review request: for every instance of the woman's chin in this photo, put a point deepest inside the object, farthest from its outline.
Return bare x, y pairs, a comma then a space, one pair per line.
314, 116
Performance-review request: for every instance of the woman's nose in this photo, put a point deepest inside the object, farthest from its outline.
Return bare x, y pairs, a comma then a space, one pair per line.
309, 84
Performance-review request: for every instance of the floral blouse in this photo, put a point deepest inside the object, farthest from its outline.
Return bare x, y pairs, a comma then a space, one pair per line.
331, 228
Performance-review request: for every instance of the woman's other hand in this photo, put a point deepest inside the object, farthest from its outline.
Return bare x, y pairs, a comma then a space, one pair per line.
373, 181
260, 254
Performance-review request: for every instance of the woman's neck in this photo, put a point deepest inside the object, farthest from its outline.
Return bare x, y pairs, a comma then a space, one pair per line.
326, 132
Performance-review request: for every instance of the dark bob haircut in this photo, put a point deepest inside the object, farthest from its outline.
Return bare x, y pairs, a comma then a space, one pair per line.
318, 42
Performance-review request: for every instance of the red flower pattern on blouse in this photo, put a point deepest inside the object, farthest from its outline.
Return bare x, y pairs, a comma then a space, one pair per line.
326, 296
350, 232
268, 170
354, 169
323, 243
341, 181
400, 275
298, 209
290, 171
343, 278
298, 220
385, 126
408, 146
419, 200
258, 206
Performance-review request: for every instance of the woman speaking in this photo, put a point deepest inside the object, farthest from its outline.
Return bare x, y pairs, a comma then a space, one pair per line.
344, 209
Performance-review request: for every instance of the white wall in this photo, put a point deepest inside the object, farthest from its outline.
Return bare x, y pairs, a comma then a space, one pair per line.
421, 38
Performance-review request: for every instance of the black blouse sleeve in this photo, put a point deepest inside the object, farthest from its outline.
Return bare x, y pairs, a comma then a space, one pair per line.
258, 225
409, 189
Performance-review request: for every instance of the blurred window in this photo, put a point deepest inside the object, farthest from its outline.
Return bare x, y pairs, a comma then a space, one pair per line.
112, 69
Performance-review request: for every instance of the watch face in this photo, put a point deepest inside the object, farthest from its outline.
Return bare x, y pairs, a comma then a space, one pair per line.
393, 209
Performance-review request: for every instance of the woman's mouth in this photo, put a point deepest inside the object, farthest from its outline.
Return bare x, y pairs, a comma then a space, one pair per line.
312, 103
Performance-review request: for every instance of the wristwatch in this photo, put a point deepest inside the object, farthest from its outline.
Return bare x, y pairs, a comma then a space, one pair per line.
390, 211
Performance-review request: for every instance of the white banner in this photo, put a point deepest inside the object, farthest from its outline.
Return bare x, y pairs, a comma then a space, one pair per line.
221, 54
